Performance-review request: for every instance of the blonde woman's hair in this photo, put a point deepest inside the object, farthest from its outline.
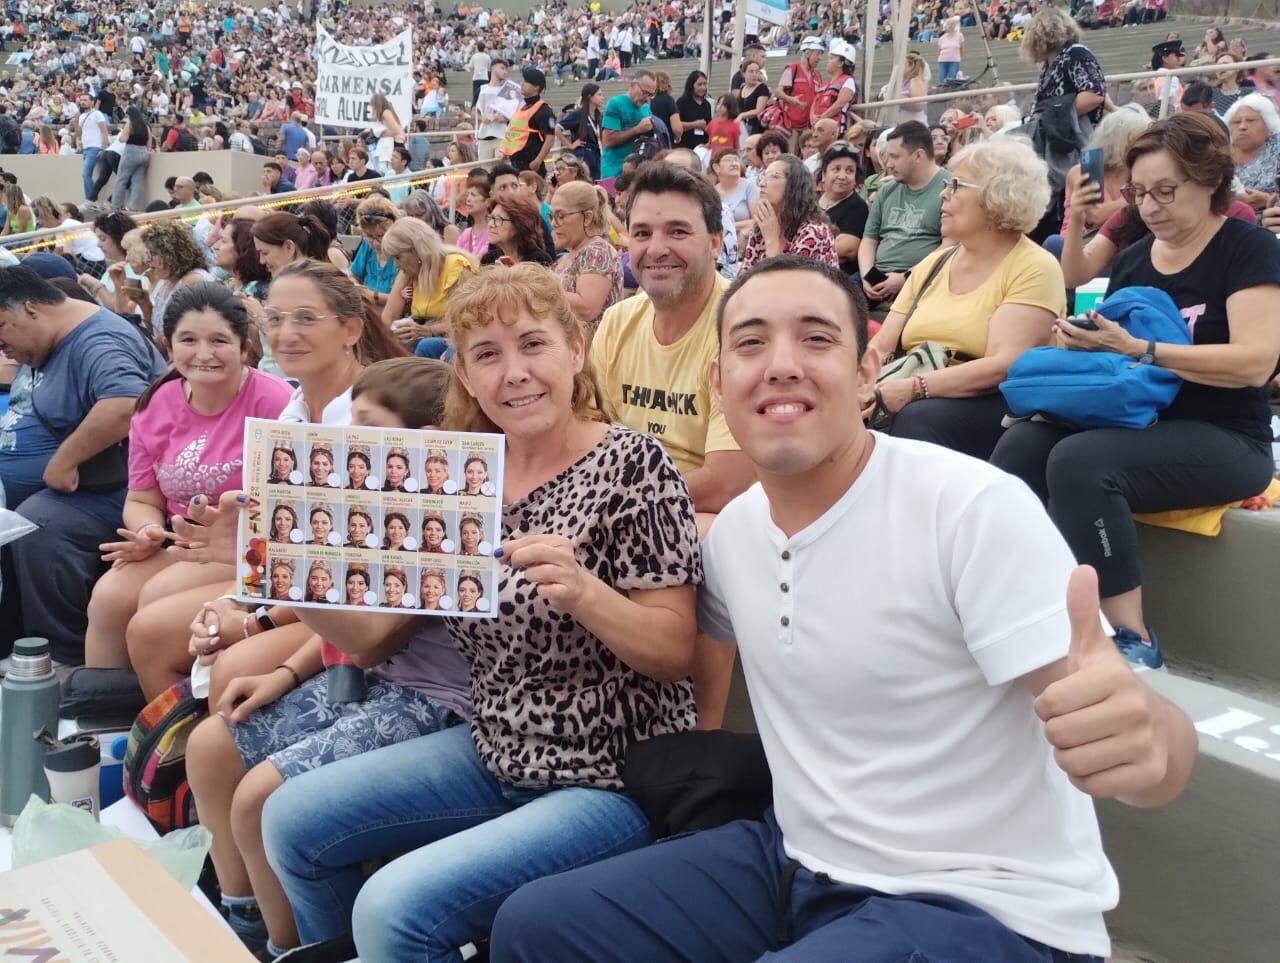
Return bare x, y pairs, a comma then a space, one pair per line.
501, 294
135, 250
380, 206
951, 25
582, 196
43, 207
913, 65
409, 234
1050, 32
1016, 193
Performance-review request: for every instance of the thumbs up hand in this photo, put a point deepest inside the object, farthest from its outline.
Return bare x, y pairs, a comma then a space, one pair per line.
1107, 727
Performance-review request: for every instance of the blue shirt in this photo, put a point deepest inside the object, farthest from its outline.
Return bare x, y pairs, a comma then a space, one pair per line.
103, 357
366, 269
619, 114
292, 137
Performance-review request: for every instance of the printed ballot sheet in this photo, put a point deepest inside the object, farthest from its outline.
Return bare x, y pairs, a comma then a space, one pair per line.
352, 518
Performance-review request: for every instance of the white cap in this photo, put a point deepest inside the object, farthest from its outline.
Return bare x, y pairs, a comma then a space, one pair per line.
842, 48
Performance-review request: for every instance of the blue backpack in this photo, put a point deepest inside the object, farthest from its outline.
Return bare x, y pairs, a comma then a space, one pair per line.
1102, 389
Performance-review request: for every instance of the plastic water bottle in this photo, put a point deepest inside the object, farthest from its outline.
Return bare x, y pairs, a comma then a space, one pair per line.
28, 711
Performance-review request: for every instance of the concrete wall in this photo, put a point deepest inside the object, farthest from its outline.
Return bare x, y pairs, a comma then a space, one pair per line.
59, 177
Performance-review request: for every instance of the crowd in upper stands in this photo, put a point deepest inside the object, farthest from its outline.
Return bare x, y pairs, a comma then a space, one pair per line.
674, 304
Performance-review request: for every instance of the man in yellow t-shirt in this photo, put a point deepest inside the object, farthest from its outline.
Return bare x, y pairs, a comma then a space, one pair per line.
653, 352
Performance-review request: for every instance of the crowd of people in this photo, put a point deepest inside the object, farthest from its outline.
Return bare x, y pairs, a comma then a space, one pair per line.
681, 311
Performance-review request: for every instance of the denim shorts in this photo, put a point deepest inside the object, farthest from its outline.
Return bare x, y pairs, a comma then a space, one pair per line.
301, 731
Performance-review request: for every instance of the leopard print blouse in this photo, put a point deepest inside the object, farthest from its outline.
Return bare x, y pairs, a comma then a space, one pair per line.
553, 705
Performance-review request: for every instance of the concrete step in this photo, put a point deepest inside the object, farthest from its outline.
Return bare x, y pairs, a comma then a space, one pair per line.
1118, 49
1212, 600
1198, 877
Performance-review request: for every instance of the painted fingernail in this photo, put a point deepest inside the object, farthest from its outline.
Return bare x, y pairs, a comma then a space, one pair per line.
242, 498
497, 552
199, 500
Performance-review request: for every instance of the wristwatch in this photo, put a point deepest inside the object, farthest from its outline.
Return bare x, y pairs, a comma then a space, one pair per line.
263, 619
1149, 355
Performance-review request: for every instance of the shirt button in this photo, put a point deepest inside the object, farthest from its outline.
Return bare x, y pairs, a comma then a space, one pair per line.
786, 556
785, 587
785, 621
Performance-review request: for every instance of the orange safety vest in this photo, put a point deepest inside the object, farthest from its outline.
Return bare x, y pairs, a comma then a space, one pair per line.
518, 130
109, 44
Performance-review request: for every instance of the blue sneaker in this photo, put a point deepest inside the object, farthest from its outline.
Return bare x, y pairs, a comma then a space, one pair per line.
1139, 653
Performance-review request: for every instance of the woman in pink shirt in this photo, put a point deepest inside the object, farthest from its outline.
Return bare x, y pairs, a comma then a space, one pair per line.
186, 439
950, 51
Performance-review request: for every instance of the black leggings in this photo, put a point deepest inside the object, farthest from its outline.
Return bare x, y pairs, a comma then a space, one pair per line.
1093, 482
968, 425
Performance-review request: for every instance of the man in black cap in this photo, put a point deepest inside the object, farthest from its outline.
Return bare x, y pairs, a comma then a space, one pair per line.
531, 131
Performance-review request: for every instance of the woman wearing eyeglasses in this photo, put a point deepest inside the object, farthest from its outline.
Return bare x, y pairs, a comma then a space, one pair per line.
788, 217
515, 232
371, 266
591, 271
994, 294
1210, 447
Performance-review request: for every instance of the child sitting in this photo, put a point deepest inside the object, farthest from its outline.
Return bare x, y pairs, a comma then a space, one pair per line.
268, 728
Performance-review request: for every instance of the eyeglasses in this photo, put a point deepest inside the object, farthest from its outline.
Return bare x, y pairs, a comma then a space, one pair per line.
494, 221
956, 183
1161, 193
557, 217
302, 318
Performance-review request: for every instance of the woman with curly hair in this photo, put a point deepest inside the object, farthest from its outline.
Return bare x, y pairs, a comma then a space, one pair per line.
789, 219
173, 260
994, 294
515, 232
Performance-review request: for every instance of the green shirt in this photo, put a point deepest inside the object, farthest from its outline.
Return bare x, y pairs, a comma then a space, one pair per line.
906, 223
619, 114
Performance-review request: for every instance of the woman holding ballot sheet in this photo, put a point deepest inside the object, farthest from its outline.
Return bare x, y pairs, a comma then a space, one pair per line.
185, 440
321, 335
533, 786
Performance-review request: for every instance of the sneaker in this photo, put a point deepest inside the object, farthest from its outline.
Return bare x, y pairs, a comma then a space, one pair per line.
245, 920
1143, 655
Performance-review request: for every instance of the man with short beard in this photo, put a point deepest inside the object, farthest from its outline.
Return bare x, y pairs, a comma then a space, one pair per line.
653, 352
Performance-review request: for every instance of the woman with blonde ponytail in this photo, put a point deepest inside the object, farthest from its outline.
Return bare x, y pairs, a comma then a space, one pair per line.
592, 270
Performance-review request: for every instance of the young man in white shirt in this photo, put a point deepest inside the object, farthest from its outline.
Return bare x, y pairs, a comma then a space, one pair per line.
932, 711
94, 136
495, 102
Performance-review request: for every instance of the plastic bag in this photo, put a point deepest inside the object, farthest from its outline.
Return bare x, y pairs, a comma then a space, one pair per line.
13, 526
45, 830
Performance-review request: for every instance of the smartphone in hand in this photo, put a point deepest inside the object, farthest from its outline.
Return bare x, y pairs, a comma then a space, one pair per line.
1091, 167
1083, 321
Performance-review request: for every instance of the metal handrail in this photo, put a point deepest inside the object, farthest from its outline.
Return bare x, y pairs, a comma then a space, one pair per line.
1116, 78
34, 240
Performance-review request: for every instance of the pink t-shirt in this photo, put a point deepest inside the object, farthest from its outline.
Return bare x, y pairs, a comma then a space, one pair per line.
949, 47
185, 453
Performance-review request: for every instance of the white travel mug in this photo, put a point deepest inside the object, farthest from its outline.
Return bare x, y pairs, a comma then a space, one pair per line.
72, 770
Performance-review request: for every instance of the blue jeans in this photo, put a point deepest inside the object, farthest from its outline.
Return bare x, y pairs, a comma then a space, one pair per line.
86, 169
948, 70
470, 841
434, 348
732, 894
